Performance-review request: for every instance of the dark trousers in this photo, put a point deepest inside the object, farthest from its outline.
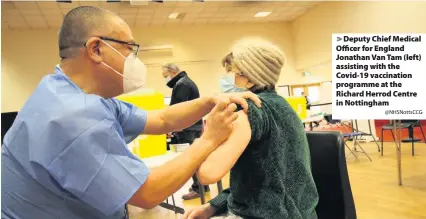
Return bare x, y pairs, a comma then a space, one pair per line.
189, 137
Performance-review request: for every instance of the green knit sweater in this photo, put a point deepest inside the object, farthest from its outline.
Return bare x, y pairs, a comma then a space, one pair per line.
272, 178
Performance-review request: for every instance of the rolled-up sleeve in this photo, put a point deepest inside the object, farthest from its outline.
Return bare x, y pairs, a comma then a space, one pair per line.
97, 169
132, 119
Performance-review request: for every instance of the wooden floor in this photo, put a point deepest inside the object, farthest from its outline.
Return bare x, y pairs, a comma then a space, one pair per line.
374, 186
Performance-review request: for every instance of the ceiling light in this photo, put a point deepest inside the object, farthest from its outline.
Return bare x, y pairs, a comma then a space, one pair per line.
174, 15
134, 2
262, 14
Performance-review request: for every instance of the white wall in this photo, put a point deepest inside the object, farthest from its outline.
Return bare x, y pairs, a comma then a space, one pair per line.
29, 55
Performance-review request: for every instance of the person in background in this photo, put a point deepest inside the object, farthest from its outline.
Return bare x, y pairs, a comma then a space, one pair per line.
308, 107
66, 154
184, 89
308, 102
267, 151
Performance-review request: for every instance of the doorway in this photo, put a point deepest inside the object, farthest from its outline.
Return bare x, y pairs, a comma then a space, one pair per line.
312, 91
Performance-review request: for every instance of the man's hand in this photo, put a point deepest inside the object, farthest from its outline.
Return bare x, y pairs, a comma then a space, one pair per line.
240, 99
203, 212
219, 122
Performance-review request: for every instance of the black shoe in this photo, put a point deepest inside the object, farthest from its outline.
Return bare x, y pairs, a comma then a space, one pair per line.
206, 189
191, 195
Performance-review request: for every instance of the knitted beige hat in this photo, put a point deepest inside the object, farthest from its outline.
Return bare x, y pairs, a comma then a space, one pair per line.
261, 62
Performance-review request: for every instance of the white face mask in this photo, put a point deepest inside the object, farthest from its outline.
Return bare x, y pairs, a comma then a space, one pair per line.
167, 79
134, 72
227, 84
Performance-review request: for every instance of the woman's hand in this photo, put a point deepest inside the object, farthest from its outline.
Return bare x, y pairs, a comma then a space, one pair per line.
203, 212
240, 98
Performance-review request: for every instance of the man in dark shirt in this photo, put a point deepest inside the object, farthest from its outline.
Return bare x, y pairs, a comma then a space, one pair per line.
184, 89
308, 102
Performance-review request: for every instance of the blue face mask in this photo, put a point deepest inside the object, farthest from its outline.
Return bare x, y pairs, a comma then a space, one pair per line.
227, 84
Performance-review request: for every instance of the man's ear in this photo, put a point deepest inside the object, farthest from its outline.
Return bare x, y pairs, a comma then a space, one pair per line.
93, 47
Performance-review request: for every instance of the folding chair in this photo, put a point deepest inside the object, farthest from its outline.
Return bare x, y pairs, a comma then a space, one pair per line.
353, 135
174, 204
366, 134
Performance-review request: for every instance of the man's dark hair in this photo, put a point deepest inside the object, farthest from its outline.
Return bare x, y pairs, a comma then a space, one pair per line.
78, 26
227, 60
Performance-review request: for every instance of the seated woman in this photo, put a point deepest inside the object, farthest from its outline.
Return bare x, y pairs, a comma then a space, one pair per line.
267, 152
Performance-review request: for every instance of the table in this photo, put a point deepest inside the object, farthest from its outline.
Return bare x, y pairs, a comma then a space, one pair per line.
156, 161
310, 120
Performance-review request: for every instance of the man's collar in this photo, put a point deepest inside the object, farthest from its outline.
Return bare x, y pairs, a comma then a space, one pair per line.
58, 70
174, 80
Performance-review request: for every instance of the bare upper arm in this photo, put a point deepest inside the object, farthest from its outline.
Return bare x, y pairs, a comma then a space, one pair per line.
155, 124
220, 161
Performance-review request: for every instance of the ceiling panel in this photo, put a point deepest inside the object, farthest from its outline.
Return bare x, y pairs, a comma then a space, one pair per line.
49, 14
41, 25
35, 19
10, 13
48, 5
17, 25
89, 3
16, 21
52, 12
183, 3
167, 4
128, 11
112, 7
7, 5
28, 11
130, 19
69, 5
24, 5
55, 22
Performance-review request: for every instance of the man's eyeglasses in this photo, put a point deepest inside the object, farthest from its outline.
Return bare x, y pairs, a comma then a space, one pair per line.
132, 46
